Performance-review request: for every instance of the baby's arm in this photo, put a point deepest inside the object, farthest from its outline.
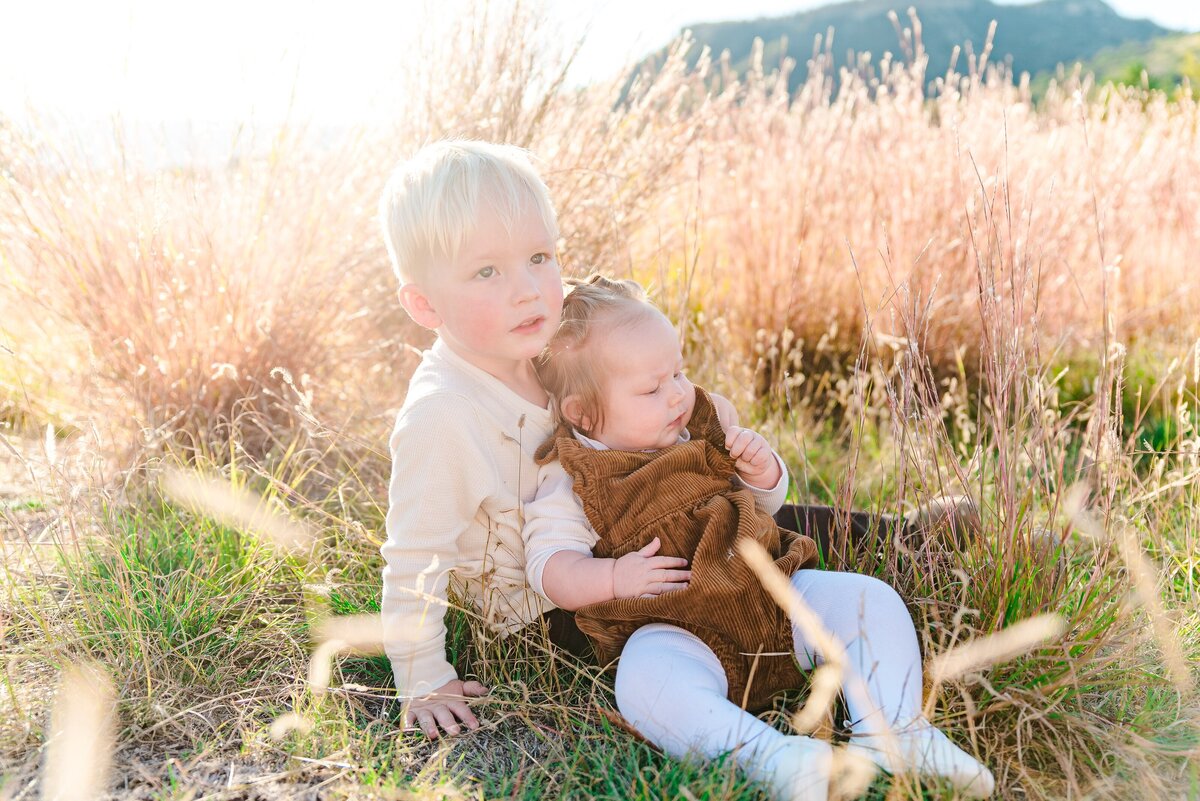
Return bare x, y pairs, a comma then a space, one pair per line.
758, 466
558, 553
439, 480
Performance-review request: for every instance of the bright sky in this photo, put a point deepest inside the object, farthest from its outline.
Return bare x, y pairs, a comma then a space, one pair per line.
236, 60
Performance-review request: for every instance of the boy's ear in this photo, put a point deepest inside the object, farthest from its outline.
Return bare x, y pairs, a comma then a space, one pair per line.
572, 409
419, 307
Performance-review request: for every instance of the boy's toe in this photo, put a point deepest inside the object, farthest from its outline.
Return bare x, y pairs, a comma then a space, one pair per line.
954, 517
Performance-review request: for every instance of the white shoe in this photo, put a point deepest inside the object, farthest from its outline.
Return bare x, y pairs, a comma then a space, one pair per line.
796, 770
925, 750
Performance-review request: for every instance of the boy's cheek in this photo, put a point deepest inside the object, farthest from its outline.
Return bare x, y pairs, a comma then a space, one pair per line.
553, 318
482, 322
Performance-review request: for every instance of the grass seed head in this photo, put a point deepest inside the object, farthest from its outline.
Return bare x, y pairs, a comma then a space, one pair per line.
81, 736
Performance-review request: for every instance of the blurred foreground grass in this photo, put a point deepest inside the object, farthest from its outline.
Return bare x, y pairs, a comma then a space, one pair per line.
911, 292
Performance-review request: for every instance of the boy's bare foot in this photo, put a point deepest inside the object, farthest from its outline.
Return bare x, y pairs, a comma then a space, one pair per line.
953, 517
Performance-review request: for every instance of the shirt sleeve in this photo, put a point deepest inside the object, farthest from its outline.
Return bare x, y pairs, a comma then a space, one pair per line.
554, 521
769, 500
441, 474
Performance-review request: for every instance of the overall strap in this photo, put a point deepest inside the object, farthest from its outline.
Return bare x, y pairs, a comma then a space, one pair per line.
704, 423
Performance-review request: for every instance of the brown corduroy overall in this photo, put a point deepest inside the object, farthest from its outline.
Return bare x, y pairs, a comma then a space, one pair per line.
684, 496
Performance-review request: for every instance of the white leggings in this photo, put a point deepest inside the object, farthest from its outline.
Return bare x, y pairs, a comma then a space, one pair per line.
671, 687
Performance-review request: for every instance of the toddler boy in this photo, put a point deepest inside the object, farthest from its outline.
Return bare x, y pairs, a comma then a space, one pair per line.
471, 233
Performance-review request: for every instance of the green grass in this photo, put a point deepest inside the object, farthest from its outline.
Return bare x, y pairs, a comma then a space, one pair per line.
206, 632
185, 612
167, 303
1167, 61
23, 505
191, 589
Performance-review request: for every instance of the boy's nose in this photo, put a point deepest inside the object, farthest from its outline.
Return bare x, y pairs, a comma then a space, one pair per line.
525, 287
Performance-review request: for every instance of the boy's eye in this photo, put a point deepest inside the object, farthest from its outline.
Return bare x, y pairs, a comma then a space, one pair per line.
539, 258
486, 272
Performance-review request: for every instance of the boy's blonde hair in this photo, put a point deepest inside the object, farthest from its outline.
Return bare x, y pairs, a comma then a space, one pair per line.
567, 366
432, 201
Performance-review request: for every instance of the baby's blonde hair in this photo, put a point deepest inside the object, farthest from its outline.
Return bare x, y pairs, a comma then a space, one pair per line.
432, 201
570, 364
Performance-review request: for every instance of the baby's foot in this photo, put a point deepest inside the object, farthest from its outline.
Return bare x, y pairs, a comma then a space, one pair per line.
924, 749
795, 770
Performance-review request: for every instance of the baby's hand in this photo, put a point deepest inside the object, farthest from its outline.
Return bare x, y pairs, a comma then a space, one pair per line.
755, 461
641, 574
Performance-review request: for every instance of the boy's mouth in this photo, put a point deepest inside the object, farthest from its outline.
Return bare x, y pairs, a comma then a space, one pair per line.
530, 325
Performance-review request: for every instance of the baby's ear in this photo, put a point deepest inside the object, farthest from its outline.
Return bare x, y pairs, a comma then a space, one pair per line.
419, 308
572, 409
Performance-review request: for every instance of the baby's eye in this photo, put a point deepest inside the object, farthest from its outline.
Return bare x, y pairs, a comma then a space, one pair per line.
486, 272
651, 392
540, 258
678, 375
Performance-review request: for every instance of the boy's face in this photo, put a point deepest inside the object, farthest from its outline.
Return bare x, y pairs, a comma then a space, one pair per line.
498, 302
647, 400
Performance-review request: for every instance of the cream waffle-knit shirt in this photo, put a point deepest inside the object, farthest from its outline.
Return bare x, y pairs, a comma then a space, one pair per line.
462, 469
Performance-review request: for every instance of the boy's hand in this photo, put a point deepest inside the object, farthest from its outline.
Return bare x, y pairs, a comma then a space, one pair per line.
445, 707
642, 574
756, 462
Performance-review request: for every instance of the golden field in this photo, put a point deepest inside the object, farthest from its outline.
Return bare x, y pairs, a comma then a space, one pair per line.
915, 283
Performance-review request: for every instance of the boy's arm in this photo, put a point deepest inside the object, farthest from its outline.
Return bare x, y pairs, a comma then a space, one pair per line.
441, 473
558, 552
727, 413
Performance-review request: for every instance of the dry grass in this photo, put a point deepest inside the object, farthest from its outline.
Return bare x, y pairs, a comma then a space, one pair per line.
191, 295
914, 292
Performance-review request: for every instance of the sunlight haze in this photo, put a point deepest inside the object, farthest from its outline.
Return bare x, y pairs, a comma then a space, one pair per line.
251, 62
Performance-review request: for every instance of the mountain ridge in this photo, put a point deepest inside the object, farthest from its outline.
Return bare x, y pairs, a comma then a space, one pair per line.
1033, 38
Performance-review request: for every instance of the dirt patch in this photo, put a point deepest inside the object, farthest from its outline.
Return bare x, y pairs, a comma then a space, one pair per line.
39, 477
39, 481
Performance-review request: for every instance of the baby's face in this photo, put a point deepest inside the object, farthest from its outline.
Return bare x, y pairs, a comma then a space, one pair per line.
647, 399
